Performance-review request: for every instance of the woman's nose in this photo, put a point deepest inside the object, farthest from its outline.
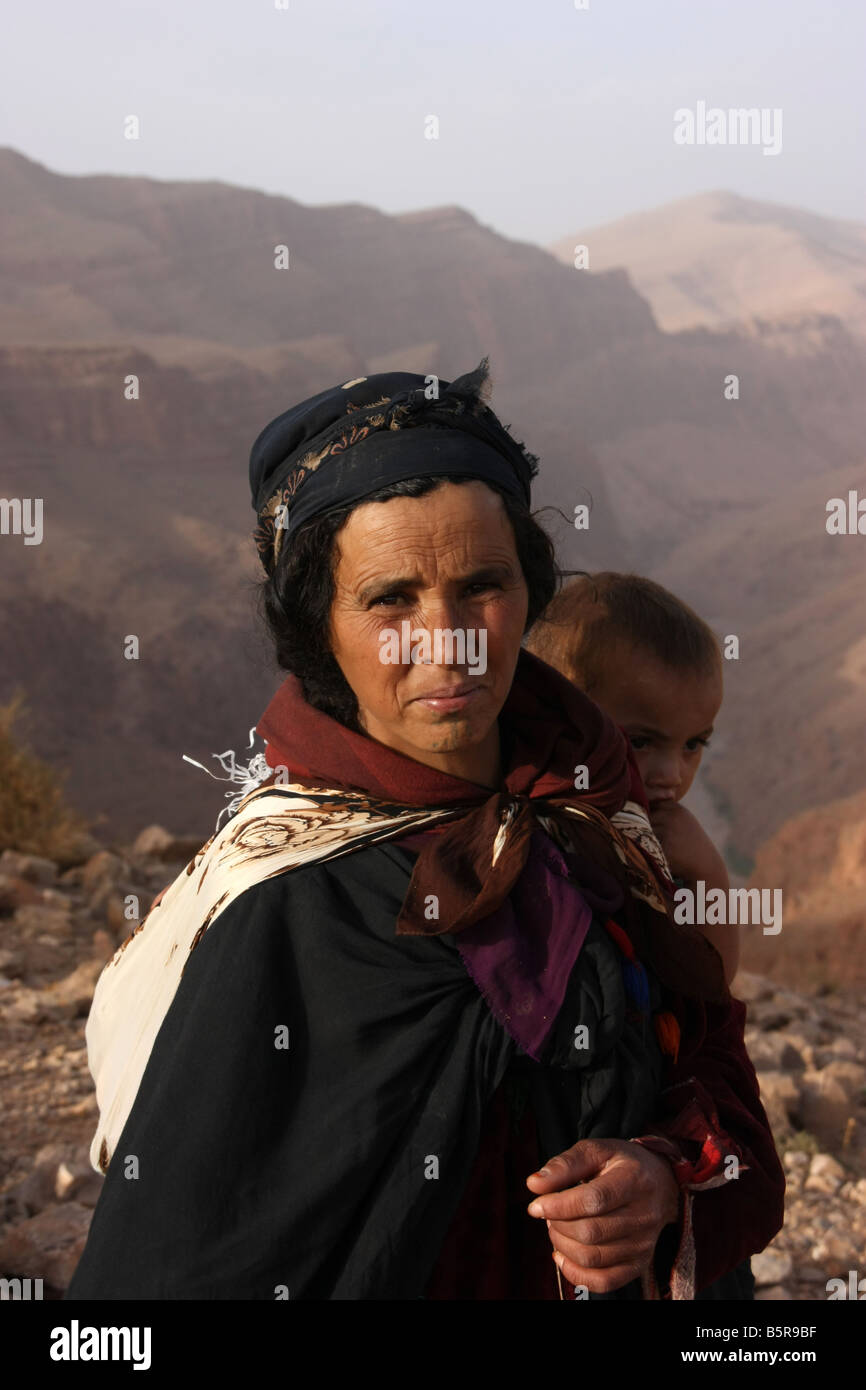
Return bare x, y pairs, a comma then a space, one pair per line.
444, 613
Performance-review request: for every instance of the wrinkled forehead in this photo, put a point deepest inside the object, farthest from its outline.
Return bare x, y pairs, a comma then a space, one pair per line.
443, 532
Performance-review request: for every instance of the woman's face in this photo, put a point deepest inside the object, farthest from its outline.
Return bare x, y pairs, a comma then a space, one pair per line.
428, 615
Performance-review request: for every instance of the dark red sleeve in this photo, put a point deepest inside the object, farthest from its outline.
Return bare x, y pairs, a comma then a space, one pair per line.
710, 1113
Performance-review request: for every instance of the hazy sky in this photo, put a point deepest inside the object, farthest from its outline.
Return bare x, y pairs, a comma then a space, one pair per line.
550, 118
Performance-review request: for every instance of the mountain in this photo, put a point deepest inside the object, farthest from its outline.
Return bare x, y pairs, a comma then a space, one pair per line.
718, 259
147, 518
102, 259
791, 726
818, 860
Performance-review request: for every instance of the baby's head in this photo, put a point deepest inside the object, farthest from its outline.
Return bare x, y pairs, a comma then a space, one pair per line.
651, 663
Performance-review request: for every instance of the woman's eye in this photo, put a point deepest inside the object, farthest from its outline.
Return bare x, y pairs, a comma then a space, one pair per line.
390, 599
638, 741
387, 599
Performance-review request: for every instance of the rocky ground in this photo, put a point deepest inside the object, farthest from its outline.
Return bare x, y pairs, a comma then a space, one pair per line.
57, 930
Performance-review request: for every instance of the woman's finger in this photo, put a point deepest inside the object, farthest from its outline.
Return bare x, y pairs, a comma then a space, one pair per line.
605, 1230
597, 1280
576, 1164
606, 1193
635, 1249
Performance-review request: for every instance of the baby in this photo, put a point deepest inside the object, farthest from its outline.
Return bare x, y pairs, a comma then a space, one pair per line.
656, 668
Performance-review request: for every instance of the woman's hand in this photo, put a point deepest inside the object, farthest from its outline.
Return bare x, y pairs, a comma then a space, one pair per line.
604, 1231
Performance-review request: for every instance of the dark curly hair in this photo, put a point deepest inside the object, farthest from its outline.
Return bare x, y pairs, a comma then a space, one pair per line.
295, 600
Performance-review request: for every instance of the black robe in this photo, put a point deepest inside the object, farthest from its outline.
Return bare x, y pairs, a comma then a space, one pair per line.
331, 1168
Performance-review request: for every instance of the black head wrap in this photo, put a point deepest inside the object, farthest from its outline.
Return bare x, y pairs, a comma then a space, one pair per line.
351, 440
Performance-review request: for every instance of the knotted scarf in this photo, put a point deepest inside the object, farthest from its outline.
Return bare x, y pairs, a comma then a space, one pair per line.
565, 766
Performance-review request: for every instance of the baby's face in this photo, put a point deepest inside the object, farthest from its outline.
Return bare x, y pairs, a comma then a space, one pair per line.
667, 715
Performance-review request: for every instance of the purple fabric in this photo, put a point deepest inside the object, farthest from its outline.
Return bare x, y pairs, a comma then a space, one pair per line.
522, 955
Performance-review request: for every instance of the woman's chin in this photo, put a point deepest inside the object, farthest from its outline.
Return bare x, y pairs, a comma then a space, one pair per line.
448, 735
435, 731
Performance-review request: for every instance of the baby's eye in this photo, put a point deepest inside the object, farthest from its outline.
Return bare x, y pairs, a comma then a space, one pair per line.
694, 743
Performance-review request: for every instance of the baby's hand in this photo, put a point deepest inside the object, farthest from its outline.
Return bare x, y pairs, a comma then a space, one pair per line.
689, 849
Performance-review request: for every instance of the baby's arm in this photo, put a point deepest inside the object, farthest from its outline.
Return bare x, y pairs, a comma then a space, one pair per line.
693, 856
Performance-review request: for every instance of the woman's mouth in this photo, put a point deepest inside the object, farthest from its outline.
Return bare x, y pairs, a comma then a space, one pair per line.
450, 699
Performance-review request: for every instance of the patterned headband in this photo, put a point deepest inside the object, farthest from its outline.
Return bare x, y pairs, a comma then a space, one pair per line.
331, 451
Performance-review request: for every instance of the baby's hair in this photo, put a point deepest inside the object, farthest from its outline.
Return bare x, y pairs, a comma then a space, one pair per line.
580, 625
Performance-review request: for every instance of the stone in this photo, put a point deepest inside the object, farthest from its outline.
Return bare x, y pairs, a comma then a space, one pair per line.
11, 1210
771, 1267
780, 1097
28, 866
792, 1002
47, 1246
796, 1165
78, 848
25, 1006
81, 1108
774, 1294
10, 965
774, 1052
8, 895
52, 898
824, 1107
101, 867
836, 1253
115, 916
839, 1047
36, 1191
794, 1159
801, 1044
17, 892
155, 842
750, 988
770, 1015
825, 1174
103, 944
75, 1178
115, 907
73, 994
101, 897
38, 920
851, 1076
809, 1030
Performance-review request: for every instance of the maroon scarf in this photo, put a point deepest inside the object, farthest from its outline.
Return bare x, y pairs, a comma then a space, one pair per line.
549, 729
555, 728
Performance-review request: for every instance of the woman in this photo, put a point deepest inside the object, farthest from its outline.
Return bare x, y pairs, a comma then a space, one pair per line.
436, 951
